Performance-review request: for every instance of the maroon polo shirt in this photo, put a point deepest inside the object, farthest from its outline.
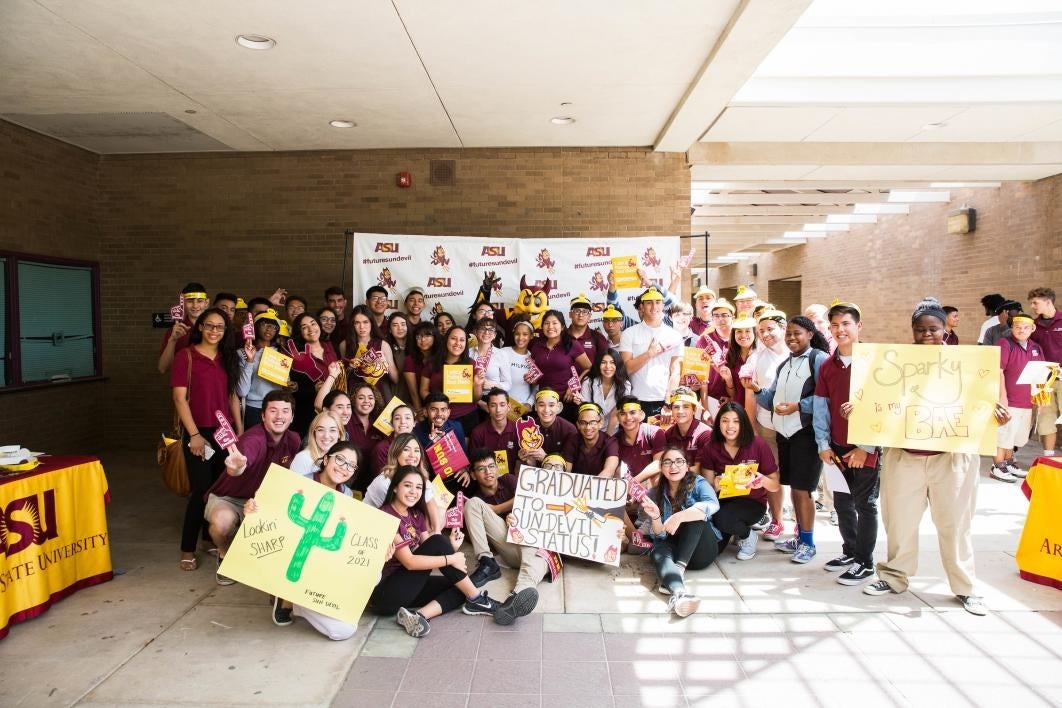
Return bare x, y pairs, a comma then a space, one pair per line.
556, 364
951, 338
708, 338
715, 457
556, 435
1048, 334
181, 343
364, 439
649, 442
593, 342
698, 326
1012, 360
484, 435
210, 386
378, 459
260, 451
589, 460
833, 385
692, 442
506, 490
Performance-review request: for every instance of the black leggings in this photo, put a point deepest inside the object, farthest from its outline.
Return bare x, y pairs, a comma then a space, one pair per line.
416, 588
735, 517
201, 474
694, 547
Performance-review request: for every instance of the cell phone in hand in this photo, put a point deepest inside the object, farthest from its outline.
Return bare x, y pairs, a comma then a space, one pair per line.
208, 451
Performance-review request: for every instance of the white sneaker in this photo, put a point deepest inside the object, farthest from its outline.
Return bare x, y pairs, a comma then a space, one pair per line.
684, 604
1015, 470
747, 546
1001, 473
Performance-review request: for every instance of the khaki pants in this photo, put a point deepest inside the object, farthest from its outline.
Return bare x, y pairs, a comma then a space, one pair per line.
948, 483
486, 530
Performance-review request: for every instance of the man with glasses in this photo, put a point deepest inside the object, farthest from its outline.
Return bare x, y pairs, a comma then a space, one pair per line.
591, 451
376, 300
717, 339
594, 343
487, 530
652, 353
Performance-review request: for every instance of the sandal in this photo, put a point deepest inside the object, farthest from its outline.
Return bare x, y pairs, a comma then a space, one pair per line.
189, 563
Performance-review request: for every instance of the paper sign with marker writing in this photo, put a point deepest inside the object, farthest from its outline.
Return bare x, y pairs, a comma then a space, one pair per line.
443, 496
274, 366
248, 328
447, 457
735, 480
383, 421
573, 514
310, 545
457, 382
695, 366
625, 270
924, 397
224, 435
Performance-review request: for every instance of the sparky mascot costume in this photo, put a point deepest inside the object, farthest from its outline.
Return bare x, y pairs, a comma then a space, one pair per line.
532, 302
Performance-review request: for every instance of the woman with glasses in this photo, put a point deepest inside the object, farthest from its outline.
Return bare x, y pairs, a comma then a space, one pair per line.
325, 431
328, 322
591, 451
675, 516
203, 379
487, 359
251, 387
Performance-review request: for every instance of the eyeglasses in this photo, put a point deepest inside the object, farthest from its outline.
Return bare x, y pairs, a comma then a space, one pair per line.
485, 468
214, 327
722, 316
678, 462
378, 298
587, 423
348, 465
328, 320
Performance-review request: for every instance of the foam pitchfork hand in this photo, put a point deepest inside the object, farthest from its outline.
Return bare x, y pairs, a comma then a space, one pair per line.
303, 361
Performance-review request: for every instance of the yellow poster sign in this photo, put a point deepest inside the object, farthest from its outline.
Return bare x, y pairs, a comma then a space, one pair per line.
734, 482
695, 365
274, 366
924, 397
457, 382
310, 545
383, 421
625, 272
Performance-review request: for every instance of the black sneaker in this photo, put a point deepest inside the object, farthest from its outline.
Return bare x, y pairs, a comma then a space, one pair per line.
486, 571
839, 563
281, 615
481, 605
516, 605
878, 587
763, 523
856, 574
415, 624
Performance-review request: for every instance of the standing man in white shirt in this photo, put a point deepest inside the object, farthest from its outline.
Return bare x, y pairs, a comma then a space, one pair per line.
652, 353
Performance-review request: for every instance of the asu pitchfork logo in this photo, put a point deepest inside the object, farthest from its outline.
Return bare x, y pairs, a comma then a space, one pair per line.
21, 522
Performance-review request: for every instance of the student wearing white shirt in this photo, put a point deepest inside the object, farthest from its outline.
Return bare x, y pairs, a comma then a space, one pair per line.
652, 353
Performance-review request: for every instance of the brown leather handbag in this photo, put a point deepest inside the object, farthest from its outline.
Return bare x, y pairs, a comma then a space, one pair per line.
170, 455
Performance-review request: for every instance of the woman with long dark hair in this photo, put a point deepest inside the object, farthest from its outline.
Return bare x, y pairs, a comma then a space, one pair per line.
605, 385
561, 360
418, 359
203, 379
369, 355
454, 351
312, 357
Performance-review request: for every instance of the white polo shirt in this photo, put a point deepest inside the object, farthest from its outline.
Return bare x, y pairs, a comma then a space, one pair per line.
650, 382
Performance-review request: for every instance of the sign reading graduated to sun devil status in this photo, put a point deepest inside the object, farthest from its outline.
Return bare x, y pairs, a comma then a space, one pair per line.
574, 514
924, 397
310, 545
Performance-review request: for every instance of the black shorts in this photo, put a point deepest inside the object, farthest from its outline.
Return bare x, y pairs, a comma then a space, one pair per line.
799, 464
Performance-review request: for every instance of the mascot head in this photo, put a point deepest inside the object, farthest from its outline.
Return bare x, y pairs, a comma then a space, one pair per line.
532, 301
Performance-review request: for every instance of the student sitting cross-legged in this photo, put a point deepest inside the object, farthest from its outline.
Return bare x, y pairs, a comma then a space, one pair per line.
484, 515
676, 516
407, 580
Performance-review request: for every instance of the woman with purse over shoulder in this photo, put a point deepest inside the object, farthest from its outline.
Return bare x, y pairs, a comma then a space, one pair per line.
204, 379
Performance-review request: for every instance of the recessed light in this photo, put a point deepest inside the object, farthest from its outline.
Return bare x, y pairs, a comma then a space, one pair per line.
190, 111
565, 104
342, 123
255, 41
933, 126
561, 120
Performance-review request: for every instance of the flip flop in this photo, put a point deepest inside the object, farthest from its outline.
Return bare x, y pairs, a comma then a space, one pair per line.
189, 564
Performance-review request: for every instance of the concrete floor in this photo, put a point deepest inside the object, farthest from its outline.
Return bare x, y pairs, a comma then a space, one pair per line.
768, 631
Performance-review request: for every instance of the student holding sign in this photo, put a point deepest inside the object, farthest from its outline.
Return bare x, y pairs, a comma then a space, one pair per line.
497, 433
555, 353
741, 469
675, 515
454, 352
251, 387
946, 481
407, 580
555, 430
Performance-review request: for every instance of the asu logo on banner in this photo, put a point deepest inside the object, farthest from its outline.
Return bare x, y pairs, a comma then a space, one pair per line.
438, 258
385, 280
493, 251
386, 247
598, 251
439, 282
545, 260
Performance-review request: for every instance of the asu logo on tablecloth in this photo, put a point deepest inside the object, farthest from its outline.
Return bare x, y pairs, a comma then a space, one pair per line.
30, 520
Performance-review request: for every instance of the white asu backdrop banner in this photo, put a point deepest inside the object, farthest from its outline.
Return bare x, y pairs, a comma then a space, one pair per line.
450, 269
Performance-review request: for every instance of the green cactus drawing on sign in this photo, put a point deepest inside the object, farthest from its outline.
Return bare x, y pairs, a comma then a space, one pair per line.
312, 528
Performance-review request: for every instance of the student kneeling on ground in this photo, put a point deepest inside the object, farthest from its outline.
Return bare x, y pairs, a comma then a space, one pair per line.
486, 529
268, 442
407, 578
675, 515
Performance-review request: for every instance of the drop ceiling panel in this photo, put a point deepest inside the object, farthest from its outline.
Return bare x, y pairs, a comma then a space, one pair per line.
769, 123
995, 123
737, 173
878, 123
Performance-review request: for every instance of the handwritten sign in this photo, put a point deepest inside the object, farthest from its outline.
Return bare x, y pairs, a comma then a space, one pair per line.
736, 479
924, 397
310, 545
695, 366
573, 514
274, 366
443, 496
625, 271
457, 382
447, 457
383, 421
224, 436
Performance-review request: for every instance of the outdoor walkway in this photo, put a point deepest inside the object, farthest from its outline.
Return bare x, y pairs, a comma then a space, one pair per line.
769, 631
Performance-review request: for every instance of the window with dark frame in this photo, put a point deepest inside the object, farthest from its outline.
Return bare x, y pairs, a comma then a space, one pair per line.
49, 320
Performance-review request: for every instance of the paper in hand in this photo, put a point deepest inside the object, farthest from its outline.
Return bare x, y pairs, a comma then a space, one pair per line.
834, 479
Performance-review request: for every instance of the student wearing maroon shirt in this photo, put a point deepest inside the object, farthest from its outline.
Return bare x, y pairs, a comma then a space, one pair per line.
555, 430
639, 444
484, 513
336, 301
309, 368
687, 432
454, 351
402, 421
204, 380
594, 343
857, 509
195, 300
376, 300
1015, 352
245, 468
1048, 334
717, 340
418, 360
950, 336
407, 580
360, 428
497, 432
733, 442
703, 300
591, 451
556, 353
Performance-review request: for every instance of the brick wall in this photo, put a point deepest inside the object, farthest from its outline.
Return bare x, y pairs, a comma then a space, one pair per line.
888, 267
47, 198
249, 223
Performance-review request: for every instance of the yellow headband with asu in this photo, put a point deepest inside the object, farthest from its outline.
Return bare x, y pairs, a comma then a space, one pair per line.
547, 393
195, 296
631, 406
1022, 318
686, 398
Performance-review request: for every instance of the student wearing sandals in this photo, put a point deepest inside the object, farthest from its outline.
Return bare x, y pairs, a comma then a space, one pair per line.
408, 586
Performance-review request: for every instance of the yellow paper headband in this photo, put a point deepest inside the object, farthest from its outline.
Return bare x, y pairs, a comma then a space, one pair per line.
685, 397
195, 296
547, 393
854, 306
631, 406
553, 458
1020, 318
590, 407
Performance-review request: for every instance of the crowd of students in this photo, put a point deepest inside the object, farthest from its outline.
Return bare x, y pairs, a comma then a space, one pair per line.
716, 451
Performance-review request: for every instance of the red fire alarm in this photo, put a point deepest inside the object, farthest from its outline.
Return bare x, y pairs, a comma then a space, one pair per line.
405, 179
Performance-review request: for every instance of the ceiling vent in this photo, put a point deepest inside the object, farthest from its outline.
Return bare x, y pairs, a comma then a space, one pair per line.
443, 173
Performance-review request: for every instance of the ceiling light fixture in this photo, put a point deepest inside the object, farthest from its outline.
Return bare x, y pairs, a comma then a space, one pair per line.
561, 120
255, 41
342, 123
933, 126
